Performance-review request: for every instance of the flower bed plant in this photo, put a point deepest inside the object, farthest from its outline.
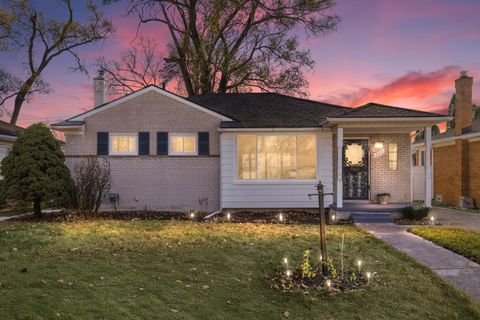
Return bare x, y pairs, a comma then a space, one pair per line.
307, 277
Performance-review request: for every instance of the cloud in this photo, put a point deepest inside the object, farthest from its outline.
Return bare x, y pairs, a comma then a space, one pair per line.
425, 90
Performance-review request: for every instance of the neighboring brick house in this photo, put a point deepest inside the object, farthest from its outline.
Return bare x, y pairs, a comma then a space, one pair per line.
243, 150
456, 153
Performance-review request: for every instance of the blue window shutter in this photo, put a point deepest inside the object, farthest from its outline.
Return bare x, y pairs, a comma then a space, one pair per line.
102, 143
162, 143
203, 143
144, 143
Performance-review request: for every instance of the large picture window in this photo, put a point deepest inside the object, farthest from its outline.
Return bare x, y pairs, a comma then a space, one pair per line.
124, 144
272, 157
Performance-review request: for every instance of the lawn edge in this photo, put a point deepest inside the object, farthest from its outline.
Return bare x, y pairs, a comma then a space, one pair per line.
445, 246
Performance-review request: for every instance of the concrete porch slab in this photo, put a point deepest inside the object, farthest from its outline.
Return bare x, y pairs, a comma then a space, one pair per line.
370, 207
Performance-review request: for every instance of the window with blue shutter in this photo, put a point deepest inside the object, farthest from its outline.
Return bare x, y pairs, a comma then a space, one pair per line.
102, 143
162, 143
144, 143
203, 143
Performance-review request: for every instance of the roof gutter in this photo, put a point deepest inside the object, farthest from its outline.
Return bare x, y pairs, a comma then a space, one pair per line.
7, 137
270, 129
413, 119
464, 136
66, 127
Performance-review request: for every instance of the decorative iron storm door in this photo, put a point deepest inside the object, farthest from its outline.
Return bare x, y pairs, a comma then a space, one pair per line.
355, 169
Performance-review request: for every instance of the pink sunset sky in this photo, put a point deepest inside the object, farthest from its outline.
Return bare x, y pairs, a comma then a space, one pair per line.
403, 53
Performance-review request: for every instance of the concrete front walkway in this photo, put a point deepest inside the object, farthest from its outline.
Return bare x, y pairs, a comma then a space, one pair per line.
459, 271
16, 216
29, 213
457, 218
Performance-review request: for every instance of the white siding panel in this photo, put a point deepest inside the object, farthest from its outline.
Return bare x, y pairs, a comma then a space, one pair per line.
273, 194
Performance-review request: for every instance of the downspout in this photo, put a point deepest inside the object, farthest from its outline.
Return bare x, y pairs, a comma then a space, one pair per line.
213, 214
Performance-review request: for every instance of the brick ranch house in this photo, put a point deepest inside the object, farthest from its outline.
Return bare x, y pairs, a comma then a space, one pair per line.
455, 154
243, 150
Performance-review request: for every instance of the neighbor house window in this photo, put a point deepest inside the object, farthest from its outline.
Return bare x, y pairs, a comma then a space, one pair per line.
271, 157
392, 156
124, 144
183, 144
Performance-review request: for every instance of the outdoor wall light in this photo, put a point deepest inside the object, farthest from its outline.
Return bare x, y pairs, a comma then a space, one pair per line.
378, 145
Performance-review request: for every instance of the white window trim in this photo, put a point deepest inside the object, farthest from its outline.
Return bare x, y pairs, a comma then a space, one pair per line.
110, 144
273, 181
180, 134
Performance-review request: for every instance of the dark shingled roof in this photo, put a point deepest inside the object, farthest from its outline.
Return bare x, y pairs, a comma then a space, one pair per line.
376, 110
451, 132
270, 110
10, 129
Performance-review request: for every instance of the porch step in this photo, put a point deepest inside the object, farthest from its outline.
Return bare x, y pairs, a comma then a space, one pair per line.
375, 217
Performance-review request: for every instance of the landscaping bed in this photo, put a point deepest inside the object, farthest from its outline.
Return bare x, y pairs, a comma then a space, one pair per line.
288, 216
461, 241
108, 269
284, 217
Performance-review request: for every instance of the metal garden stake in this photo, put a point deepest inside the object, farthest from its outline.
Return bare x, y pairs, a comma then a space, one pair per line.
323, 229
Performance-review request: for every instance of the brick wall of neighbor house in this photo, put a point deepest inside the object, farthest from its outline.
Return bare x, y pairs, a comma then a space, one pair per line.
155, 182
395, 182
445, 176
474, 171
456, 167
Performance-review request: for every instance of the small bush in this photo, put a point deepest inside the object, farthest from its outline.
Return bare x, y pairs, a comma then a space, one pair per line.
92, 182
416, 212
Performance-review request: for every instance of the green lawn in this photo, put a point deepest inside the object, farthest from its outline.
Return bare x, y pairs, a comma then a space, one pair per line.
184, 270
464, 242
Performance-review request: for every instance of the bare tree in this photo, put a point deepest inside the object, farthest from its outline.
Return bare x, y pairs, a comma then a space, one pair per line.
223, 46
25, 29
138, 67
10, 85
92, 182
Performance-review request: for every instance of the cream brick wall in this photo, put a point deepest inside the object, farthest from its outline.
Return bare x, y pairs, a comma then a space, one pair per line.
395, 182
155, 182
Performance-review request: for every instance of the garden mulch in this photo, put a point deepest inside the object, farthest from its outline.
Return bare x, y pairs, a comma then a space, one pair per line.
268, 217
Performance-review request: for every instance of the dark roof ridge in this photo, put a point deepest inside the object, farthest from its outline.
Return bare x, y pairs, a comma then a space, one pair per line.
397, 108
274, 93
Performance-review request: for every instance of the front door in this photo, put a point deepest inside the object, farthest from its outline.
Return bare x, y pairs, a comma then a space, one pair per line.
355, 169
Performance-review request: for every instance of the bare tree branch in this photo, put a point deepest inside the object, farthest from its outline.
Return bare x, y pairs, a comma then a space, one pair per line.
220, 46
140, 66
24, 29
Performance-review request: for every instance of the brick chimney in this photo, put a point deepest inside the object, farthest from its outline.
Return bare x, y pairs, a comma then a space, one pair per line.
99, 89
463, 103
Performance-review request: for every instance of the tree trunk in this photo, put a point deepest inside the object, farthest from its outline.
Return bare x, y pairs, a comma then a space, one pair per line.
37, 210
19, 99
21, 96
